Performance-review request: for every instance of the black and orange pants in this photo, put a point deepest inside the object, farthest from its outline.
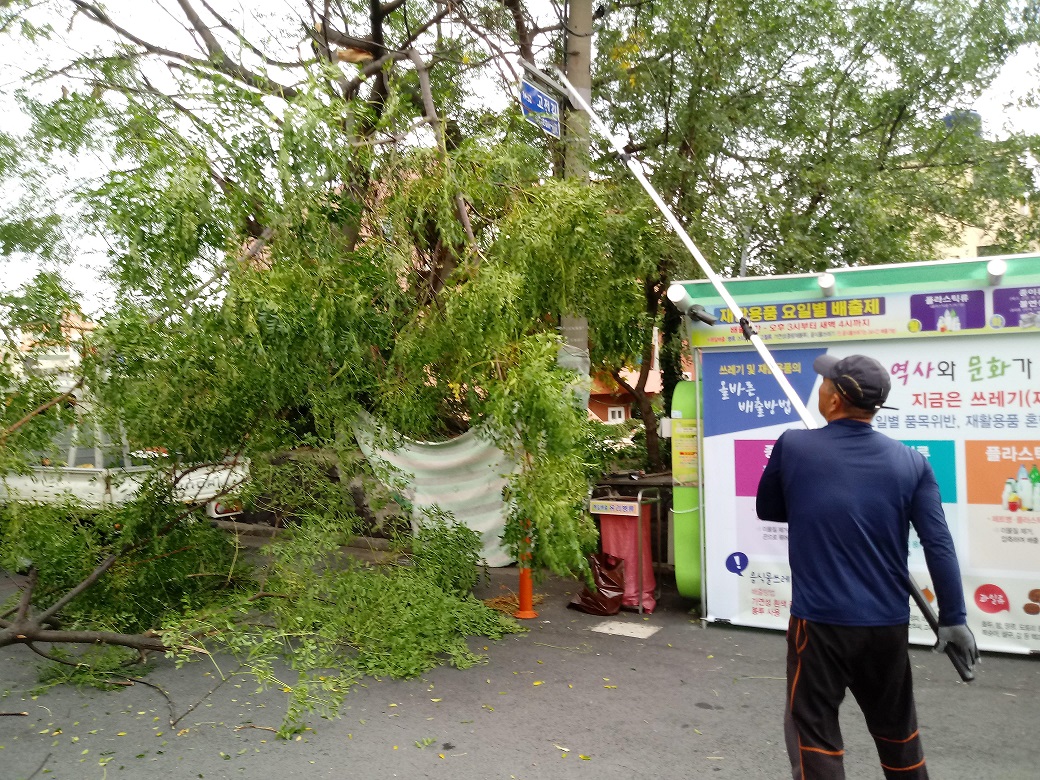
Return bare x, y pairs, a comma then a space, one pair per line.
823, 661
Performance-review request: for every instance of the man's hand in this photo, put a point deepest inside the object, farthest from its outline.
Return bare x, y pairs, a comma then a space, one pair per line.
961, 640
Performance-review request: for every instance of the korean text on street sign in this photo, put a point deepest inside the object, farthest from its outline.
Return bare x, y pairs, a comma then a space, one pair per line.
614, 507
540, 109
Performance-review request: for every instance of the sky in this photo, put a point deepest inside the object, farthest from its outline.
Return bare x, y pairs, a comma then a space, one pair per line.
1001, 108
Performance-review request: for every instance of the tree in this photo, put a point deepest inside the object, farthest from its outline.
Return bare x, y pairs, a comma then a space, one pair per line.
825, 135
299, 232
366, 246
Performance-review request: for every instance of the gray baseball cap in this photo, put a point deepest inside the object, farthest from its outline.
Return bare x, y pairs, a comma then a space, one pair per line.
861, 380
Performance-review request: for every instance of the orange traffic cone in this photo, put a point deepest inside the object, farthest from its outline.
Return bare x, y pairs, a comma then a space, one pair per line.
526, 592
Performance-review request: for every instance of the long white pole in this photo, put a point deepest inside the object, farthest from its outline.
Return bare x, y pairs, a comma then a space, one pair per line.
680, 231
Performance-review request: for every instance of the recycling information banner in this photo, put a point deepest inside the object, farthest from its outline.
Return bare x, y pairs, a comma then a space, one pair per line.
903, 315
970, 405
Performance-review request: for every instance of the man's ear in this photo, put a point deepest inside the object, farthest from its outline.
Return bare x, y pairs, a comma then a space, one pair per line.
834, 402
831, 402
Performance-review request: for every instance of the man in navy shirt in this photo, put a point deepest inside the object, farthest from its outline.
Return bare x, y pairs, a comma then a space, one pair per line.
849, 496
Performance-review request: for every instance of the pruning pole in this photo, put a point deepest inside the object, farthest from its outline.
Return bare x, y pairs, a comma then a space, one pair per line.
749, 333
680, 231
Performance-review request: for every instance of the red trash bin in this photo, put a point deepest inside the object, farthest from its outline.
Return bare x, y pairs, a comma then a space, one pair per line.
619, 536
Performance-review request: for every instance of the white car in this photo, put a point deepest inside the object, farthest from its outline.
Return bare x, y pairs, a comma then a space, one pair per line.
89, 466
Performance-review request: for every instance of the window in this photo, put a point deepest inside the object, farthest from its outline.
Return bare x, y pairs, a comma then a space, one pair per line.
615, 414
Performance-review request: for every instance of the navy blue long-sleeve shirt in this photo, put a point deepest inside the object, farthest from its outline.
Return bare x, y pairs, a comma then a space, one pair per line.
849, 496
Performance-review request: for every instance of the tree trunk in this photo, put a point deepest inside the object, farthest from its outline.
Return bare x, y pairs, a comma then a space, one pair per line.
671, 355
654, 461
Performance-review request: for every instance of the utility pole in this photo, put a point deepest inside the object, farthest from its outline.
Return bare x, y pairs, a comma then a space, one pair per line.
578, 66
574, 329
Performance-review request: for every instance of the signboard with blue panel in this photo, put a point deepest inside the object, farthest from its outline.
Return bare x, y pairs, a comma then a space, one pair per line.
540, 109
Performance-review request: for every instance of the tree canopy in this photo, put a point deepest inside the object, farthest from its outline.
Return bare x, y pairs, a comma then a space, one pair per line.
810, 135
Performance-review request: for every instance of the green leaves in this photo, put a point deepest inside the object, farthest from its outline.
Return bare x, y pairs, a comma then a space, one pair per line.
806, 135
334, 620
328, 617
167, 563
35, 322
447, 554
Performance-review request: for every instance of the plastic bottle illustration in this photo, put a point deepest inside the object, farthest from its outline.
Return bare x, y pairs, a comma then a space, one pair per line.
1014, 503
947, 321
1005, 496
1024, 488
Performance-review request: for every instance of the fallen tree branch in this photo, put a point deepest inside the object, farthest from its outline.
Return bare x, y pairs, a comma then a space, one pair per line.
54, 658
128, 680
23, 603
27, 634
208, 693
27, 628
161, 690
93, 577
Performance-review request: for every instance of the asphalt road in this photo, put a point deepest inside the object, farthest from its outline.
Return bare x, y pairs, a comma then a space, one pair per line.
561, 701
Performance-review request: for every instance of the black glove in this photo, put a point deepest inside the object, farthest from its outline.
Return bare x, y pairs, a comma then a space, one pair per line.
962, 641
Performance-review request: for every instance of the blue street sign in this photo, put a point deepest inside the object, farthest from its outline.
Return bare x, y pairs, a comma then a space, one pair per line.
540, 109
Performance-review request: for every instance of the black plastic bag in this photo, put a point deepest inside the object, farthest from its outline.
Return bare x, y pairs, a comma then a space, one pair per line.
608, 574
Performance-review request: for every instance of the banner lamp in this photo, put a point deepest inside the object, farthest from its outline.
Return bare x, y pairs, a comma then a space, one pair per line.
826, 281
684, 303
995, 270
